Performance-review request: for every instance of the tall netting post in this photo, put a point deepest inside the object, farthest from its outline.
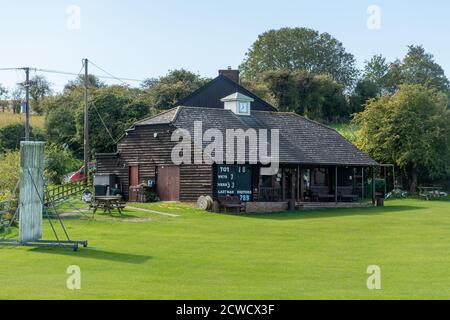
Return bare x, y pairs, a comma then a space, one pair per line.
31, 191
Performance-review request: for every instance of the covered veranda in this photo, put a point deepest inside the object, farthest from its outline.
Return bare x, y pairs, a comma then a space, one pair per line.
330, 185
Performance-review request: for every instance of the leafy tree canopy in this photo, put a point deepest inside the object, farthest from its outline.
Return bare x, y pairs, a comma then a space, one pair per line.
9, 177
40, 88
364, 91
17, 96
417, 67
298, 49
3, 96
93, 82
60, 119
59, 161
316, 96
111, 111
165, 92
410, 129
12, 135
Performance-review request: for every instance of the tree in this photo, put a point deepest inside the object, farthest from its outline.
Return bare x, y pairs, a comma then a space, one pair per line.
13, 134
59, 161
281, 85
297, 49
17, 98
316, 96
149, 83
112, 110
410, 129
377, 74
165, 92
331, 103
93, 82
3, 96
259, 88
61, 120
39, 89
419, 67
364, 91
9, 167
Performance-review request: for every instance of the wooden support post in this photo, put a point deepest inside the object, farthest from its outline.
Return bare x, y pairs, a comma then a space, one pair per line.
283, 183
297, 197
373, 186
362, 183
336, 184
31, 191
302, 185
293, 182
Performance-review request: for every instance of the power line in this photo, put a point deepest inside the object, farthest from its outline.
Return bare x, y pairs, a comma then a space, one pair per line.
108, 73
109, 77
77, 74
82, 68
104, 124
10, 69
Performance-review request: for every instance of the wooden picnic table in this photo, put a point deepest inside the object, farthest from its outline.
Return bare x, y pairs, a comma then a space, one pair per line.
108, 204
430, 192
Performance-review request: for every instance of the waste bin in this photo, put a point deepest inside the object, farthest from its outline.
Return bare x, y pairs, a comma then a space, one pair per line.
101, 191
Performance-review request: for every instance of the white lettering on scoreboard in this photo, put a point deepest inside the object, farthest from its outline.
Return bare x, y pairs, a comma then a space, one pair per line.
235, 180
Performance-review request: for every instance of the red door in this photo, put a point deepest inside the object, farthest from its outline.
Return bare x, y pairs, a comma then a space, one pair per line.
168, 183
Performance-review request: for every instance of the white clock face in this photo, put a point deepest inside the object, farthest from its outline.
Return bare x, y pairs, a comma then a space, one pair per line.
244, 107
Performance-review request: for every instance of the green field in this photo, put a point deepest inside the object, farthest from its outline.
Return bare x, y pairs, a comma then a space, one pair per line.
197, 255
7, 118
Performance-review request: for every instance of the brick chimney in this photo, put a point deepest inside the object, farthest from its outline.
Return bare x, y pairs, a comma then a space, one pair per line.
230, 74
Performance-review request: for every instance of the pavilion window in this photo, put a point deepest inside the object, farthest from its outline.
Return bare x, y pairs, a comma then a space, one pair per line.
321, 177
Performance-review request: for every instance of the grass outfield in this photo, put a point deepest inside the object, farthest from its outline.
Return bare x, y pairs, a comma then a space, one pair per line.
7, 118
313, 255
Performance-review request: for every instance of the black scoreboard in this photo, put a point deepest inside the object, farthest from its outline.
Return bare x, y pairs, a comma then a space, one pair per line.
235, 180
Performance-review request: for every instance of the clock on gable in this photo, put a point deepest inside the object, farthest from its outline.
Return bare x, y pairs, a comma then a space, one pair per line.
238, 103
244, 107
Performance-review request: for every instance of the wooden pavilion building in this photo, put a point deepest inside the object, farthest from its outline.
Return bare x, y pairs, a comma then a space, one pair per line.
318, 166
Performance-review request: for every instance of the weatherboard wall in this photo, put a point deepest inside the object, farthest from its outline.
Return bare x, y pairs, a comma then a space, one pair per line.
140, 147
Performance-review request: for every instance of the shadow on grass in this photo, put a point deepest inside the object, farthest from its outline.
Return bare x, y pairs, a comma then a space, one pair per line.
332, 213
96, 255
100, 216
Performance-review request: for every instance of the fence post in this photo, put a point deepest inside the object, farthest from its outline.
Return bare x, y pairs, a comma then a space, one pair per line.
31, 191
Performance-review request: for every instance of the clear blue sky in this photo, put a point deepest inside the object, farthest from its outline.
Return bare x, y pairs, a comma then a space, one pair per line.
142, 38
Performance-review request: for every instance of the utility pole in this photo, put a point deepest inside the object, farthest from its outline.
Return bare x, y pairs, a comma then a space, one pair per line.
86, 120
27, 102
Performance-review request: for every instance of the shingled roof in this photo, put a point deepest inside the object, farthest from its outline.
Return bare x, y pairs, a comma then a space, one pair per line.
302, 141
